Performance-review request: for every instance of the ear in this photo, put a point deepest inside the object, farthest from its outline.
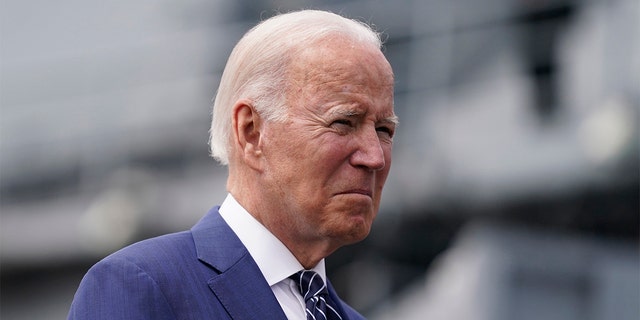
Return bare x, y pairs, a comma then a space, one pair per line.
246, 128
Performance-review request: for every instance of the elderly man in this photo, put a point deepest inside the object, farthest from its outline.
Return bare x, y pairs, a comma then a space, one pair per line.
304, 120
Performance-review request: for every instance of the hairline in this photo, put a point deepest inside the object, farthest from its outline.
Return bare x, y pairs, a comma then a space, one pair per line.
271, 90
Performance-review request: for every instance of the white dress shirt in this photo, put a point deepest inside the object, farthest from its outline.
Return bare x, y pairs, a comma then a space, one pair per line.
273, 258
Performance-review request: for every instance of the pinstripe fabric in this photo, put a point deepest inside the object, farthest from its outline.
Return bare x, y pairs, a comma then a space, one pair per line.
316, 297
204, 273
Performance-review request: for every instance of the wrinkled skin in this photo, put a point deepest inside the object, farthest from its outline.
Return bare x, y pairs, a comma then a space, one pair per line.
322, 171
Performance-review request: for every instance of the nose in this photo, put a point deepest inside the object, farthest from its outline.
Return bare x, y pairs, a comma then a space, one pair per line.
369, 153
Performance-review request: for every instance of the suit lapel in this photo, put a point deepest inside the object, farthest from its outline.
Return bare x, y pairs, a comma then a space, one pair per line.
245, 293
337, 301
239, 284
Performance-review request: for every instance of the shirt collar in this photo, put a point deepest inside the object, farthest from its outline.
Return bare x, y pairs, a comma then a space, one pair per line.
273, 258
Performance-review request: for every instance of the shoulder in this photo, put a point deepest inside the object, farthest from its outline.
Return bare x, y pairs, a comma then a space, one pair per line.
155, 248
151, 256
131, 283
142, 281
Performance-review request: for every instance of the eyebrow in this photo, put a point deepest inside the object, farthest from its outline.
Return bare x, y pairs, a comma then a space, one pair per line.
353, 113
392, 119
346, 113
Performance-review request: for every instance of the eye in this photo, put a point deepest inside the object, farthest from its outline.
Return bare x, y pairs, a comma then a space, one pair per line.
342, 122
387, 131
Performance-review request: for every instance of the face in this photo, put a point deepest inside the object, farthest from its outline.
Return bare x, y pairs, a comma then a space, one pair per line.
325, 166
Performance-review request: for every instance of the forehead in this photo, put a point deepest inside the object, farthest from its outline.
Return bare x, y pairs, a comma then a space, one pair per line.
338, 58
337, 68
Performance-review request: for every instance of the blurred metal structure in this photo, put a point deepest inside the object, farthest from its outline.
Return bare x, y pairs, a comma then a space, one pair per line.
497, 272
523, 113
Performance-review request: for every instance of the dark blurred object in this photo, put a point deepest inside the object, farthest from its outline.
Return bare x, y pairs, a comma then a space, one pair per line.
541, 23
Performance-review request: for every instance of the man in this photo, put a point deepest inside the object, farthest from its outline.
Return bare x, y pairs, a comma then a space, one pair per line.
304, 120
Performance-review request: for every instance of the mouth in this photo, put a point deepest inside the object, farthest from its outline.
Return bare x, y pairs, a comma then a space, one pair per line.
363, 192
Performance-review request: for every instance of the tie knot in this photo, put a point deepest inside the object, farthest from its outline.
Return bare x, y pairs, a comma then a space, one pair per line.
318, 305
309, 283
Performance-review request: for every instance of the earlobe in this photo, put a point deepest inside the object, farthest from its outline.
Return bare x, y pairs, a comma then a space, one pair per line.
246, 128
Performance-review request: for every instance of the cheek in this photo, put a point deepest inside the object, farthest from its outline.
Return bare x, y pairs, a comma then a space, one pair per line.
326, 156
283, 150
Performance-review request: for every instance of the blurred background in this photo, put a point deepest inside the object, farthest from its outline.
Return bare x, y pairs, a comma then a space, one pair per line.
514, 192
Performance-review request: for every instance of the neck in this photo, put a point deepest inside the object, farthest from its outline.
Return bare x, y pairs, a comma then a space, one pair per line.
308, 252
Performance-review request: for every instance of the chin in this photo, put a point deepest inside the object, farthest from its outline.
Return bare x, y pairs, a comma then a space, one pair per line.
358, 231
355, 238
351, 222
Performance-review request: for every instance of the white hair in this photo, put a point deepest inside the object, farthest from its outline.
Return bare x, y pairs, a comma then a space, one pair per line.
257, 67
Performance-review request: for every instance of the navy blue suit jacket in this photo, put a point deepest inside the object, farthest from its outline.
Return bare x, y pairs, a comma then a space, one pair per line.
204, 273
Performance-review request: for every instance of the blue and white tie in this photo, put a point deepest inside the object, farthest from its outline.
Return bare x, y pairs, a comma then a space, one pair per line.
316, 296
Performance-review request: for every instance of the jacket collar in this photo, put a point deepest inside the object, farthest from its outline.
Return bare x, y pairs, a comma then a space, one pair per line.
237, 273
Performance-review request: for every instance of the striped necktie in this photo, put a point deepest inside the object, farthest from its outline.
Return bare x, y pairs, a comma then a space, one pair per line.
316, 296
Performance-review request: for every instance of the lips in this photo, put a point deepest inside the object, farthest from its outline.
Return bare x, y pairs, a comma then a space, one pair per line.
364, 192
